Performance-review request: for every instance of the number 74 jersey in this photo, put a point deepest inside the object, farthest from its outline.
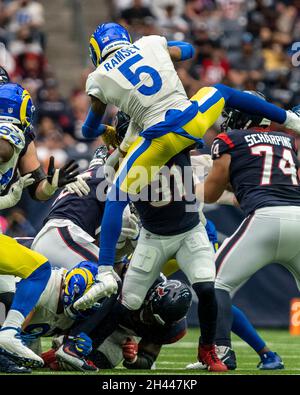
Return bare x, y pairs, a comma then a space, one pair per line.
141, 80
263, 168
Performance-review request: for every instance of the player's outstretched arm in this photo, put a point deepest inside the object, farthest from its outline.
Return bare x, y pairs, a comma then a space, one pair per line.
254, 105
180, 50
92, 126
215, 183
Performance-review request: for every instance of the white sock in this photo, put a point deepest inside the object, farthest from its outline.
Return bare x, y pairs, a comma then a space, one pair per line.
14, 318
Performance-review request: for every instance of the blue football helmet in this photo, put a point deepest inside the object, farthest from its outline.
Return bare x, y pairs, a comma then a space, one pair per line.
16, 106
77, 281
106, 38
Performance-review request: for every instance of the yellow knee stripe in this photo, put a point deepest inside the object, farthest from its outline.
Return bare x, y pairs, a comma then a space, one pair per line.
18, 260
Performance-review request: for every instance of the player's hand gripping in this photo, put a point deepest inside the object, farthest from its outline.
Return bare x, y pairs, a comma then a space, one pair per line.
80, 186
130, 350
106, 285
57, 178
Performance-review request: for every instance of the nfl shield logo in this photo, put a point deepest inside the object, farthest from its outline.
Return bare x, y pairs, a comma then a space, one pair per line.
10, 110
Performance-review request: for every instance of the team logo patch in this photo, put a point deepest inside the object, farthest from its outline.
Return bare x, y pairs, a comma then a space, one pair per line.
161, 292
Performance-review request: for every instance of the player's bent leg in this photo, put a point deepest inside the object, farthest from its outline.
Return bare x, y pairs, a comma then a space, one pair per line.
27, 294
211, 104
72, 246
145, 267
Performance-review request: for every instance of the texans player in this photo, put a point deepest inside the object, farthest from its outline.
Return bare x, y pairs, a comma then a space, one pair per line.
141, 80
155, 214
73, 223
261, 165
141, 335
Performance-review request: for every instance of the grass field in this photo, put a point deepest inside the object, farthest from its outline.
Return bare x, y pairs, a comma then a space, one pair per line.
175, 357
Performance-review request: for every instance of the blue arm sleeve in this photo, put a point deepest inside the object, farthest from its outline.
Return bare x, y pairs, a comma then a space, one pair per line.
111, 227
92, 126
187, 50
251, 104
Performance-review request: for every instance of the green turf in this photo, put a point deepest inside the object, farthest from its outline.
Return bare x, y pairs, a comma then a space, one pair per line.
175, 357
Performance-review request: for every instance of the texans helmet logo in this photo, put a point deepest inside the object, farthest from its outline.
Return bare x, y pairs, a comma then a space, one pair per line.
161, 291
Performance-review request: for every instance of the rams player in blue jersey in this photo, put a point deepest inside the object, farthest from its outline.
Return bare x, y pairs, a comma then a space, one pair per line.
141, 80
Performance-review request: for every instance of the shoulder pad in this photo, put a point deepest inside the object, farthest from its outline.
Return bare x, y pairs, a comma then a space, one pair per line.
12, 134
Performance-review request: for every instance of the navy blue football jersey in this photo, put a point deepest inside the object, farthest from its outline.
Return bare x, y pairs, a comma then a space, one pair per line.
263, 168
86, 211
174, 209
155, 333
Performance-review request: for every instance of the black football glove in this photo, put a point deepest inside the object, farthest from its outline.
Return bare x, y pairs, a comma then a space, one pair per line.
58, 178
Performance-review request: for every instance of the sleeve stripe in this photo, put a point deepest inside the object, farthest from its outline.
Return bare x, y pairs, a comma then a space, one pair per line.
227, 140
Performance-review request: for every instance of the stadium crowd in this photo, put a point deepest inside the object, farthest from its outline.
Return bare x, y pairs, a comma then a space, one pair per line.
245, 44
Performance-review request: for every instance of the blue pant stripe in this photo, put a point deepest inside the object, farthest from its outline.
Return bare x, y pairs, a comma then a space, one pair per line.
130, 162
210, 102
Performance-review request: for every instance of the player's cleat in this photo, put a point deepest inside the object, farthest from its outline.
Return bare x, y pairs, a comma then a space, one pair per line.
9, 366
70, 359
227, 356
196, 366
270, 361
207, 354
12, 345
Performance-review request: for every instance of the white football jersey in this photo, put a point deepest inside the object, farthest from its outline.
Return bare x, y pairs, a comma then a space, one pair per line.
46, 317
141, 80
16, 138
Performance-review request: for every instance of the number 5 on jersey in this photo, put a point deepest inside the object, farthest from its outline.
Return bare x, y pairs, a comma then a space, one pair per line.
134, 77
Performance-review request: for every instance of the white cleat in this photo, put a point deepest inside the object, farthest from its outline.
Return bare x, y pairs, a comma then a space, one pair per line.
196, 366
12, 345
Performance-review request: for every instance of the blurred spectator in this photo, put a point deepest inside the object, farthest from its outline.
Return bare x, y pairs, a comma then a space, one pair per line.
136, 13
51, 104
18, 224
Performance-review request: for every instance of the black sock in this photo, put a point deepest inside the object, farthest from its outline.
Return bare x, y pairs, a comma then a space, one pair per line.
224, 322
207, 311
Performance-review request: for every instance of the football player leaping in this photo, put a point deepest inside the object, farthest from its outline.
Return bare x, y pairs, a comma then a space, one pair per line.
15, 124
141, 80
261, 165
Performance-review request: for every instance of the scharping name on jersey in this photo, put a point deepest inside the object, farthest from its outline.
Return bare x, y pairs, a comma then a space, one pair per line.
263, 167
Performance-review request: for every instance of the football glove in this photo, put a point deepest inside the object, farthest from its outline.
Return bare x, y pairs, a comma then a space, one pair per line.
106, 285
110, 137
293, 119
130, 350
15, 192
130, 227
80, 187
57, 178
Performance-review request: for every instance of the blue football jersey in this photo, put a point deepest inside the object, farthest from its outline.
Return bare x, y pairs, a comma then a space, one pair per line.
86, 211
263, 168
175, 211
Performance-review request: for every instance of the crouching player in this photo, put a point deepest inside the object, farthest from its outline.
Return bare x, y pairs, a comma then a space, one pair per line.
16, 260
139, 338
